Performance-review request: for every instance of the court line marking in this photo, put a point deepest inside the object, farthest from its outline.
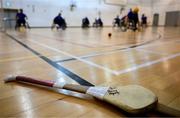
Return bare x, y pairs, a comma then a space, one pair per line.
22, 58
161, 43
91, 55
98, 66
107, 69
115, 71
114, 50
60, 68
17, 58
94, 55
111, 52
5, 53
84, 45
61, 40
147, 64
72, 56
158, 36
149, 51
121, 71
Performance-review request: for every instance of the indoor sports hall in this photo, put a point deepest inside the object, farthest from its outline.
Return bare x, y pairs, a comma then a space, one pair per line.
89, 58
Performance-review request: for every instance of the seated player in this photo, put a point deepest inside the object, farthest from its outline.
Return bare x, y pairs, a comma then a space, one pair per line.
144, 20
135, 18
59, 21
132, 19
95, 24
98, 23
130, 15
21, 20
116, 21
85, 22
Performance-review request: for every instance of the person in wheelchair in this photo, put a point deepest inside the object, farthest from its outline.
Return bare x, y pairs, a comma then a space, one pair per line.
132, 19
98, 23
130, 15
59, 22
116, 21
85, 22
135, 18
144, 21
21, 20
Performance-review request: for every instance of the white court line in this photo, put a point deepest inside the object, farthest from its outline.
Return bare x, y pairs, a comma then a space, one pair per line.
149, 51
106, 53
72, 56
124, 50
160, 43
147, 64
109, 70
118, 72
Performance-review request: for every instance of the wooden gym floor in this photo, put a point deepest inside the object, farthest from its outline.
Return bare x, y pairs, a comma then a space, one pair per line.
150, 58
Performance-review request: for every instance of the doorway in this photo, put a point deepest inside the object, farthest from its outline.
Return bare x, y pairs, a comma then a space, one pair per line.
156, 19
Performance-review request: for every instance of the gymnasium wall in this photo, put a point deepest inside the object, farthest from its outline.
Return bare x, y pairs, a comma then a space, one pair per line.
41, 12
163, 6
1, 17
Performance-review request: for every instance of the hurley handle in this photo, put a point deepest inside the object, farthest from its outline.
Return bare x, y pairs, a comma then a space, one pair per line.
72, 87
29, 80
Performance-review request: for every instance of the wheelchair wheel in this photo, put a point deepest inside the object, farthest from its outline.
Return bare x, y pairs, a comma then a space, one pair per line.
63, 27
132, 26
123, 26
123, 29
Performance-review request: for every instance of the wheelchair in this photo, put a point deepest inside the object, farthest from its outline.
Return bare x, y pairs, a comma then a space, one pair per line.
126, 24
97, 23
62, 26
22, 25
121, 23
85, 25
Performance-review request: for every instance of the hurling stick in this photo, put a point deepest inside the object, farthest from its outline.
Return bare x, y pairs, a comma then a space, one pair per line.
131, 98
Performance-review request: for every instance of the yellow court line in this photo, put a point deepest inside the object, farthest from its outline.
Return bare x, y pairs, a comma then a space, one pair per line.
22, 58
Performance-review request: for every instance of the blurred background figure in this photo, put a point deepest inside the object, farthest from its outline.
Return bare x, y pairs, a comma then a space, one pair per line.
21, 20
116, 21
135, 18
59, 22
130, 15
85, 22
98, 22
144, 20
